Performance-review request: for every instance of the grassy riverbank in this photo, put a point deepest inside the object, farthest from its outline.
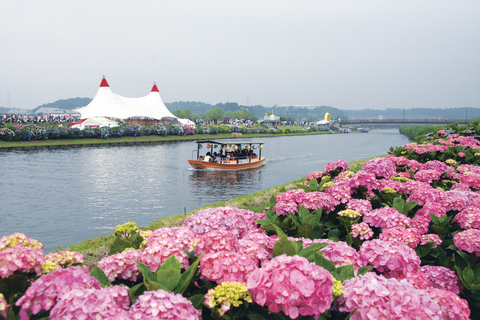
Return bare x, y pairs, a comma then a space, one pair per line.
132, 140
97, 248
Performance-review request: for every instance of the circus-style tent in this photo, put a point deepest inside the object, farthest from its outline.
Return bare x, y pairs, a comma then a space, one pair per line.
108, 104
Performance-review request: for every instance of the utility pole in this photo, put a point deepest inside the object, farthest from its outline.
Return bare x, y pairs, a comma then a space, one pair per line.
403, 114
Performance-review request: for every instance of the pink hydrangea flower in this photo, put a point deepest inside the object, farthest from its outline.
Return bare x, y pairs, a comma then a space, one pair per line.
341, 254
389, 256
3, 306
431, 237
340, 191
317, 200
410, 186
375, 297
266, 241
20, 258
292, 285
44, 292
416, 278
164, 305
314, 175
88, 304
456, 200
362, 206
380, 167
434, 208
468, 240
361, 230
256, 251
19, 239
216, 240
439, 132
238, 221
427, 176
421, 223
365, 179
386, 217
442, 278
340, 165
468, 218
461, 154
165, 242
410, 236
226, 266
64, 259
453, 307
424, 196
471, 180
121, 266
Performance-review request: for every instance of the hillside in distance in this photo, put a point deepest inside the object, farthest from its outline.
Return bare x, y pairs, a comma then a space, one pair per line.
293, 112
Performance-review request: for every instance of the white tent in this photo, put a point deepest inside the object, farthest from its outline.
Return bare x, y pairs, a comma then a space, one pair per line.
183, 122
107, 103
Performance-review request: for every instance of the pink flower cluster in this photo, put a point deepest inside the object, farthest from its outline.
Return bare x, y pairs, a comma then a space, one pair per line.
431, 237
410, 236
452, 306
216, 240
90, 304
165, 242
315, 175
121, 266
468, 240
364, 179
361, 230
362, 206
380, 167
64, 258
288, 202
386, 217
341, 254
161, 304
44, 292
20, 258
442, 278
292, 285
19, 239
3, 306
427, 176
375, 297
389, 256
340, 165
227, 266
238, 221
468, 218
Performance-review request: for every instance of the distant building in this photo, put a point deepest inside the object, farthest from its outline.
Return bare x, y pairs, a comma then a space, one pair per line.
270, 121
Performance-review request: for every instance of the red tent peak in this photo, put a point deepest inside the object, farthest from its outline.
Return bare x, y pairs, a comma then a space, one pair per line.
154, 88
104, 83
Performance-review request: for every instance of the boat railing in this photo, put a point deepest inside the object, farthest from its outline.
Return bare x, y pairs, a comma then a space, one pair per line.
196, 151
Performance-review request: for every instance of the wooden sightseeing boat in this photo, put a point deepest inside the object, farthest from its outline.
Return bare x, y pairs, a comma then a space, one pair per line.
232, 154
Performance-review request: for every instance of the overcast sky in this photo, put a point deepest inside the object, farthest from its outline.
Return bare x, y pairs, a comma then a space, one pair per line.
345, 54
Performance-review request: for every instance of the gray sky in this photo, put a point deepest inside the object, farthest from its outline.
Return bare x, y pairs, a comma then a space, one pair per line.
344, 54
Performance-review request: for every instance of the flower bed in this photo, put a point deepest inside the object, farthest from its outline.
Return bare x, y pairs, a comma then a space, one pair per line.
398, 239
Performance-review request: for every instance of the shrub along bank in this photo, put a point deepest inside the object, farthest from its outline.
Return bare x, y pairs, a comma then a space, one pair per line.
397, 239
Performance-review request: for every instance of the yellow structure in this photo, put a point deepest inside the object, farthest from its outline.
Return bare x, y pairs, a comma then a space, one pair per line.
327, 117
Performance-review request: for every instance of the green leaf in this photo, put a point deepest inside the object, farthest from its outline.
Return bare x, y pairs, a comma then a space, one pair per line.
399, 204
197, 300
334, 235
305, 231
136, 291
468, 275
279, 231
153, 285
435, 219
302, 213
364, 270
313, 184
344, 272
410, 205
312, 219
171, 263
168, 278
119, 245
309, 252
424, 250
186, 277
324, 263
100, 275
146, 272
284, 246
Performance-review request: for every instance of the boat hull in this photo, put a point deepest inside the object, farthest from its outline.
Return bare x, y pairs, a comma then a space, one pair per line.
232, 165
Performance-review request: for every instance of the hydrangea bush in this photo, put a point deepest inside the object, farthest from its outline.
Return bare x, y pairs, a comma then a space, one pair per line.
398, 239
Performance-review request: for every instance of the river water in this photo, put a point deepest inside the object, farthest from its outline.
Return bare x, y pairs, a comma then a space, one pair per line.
64, 196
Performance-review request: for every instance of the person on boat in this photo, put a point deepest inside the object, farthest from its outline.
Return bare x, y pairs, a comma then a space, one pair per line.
208, 157
214, 157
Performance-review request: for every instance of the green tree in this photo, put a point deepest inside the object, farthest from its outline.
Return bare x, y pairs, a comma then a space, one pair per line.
187, 114
178, 113
215, 114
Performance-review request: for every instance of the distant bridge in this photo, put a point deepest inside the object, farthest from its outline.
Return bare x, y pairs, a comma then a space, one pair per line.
396, 122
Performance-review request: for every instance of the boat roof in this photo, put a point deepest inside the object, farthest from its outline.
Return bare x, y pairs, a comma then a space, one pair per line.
229, 141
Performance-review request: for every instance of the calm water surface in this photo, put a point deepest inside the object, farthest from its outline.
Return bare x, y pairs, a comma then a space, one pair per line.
63, 196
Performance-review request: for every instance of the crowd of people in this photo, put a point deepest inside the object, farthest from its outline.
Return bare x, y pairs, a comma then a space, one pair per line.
24, 119
229, 155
